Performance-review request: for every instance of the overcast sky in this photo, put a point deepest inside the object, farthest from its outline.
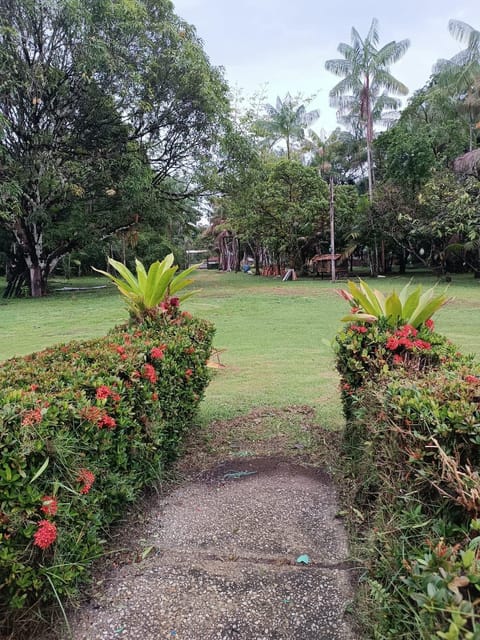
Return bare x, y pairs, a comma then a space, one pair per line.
285, 42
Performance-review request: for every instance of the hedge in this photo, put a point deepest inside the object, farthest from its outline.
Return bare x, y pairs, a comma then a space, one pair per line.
84, 427
412, 445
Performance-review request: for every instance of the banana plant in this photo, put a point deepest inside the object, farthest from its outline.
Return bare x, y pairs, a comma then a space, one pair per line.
408, 307
146, 291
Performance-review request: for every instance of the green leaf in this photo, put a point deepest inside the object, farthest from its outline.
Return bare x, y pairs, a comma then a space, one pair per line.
40, 471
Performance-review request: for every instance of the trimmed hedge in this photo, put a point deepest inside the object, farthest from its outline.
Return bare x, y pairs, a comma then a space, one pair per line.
412, 444
84, 427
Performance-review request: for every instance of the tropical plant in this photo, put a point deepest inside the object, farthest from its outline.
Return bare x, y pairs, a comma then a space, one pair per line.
150, 293
287, 120
366, 81
412, 308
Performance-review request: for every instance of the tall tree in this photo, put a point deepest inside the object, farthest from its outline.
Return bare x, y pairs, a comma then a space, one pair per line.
367, 81
93, 92
287, 121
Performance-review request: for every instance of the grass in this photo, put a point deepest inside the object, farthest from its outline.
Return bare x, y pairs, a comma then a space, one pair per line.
273, 334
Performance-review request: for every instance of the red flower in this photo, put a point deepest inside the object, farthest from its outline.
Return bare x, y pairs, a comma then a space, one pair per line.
107, 421
472, 379
188, 373
405, 342
49, 505
174, 302
154, 397
34, 416
361, 329
355, 309
149, 373
45, 535
406, 331
397, 359
190, 350
157, 353
120, 350
103, 392
185, 314
392, 343
87, 478
422, 344
33, 387
92, 414
430, 324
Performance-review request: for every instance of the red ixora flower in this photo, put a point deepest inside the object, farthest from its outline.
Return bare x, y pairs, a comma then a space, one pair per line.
34, 416
107, 421
45, 535
430, 324
359, 328
158, 352
472, 379
87, 478
49, 505
33, 387
392, 343
149, 373
406, 331
397, 359
103, 392
354, 309
422, 344
188, 374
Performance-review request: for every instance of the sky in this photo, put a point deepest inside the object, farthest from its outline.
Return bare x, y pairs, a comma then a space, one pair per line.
281, 45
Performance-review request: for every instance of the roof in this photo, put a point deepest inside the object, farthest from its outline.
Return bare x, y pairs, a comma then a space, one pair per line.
326, 257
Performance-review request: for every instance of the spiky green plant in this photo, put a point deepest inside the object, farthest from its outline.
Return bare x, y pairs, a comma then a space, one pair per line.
408, 307
146, 292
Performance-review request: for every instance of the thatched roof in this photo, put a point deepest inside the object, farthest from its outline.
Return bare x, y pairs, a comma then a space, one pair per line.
325, 257
468, 164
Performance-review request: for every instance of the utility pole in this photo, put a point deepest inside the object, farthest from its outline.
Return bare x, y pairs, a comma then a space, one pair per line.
332, 231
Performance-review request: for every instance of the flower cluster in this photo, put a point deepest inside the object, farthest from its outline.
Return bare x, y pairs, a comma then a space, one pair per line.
406, 337
45, 535
359, 328
170, 305
157, 353
87, 478
149, 373
49, 505
107, 421
34, 416
103, 392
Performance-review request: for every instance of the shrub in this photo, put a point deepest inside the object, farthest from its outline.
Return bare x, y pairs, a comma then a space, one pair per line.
412, 444
84, 427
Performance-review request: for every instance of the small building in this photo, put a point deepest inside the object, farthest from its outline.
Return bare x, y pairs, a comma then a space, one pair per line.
322, 264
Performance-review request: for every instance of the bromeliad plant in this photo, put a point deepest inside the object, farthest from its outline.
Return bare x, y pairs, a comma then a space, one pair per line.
152, 293
385, 332
409, 307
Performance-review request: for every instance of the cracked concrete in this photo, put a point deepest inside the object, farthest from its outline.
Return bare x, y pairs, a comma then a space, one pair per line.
216, 559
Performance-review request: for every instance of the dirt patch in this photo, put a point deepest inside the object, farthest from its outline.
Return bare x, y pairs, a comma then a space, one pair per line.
291, 433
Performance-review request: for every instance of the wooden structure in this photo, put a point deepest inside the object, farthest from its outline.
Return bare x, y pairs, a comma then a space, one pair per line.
322, 265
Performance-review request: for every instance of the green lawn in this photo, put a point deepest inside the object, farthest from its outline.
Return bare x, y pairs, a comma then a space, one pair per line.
273, 334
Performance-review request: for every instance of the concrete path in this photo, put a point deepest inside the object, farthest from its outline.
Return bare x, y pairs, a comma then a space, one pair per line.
219, 562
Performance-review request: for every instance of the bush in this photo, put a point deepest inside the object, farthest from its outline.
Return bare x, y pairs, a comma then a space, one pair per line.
84, 427
412, 445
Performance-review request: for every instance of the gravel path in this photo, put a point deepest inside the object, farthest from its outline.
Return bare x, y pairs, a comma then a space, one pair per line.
219, 562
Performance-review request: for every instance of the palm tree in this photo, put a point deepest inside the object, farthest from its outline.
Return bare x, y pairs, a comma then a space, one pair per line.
366, 82
460, 75
287, 120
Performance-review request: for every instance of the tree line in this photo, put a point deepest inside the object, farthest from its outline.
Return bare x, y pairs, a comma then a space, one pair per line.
115, 130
